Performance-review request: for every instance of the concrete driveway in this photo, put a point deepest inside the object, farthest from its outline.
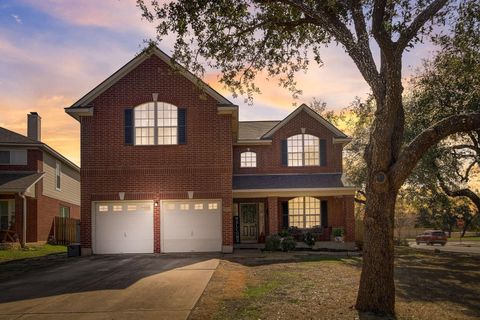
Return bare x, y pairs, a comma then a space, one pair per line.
109, 287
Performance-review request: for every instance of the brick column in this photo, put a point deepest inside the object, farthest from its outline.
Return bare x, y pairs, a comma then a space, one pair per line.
272, 203
227, 222
348, 209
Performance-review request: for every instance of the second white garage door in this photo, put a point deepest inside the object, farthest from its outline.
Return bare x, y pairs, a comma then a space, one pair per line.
191, 226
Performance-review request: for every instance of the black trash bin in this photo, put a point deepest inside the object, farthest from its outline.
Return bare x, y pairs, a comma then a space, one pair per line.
73, 250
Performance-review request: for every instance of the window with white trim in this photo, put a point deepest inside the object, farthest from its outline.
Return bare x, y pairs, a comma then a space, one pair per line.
156, 123
58, 175
303, 150
304, 212
248, 159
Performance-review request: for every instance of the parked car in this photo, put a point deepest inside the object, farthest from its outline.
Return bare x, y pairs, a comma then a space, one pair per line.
431, 237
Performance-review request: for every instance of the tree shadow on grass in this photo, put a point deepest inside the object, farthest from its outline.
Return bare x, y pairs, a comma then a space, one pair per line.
439, 277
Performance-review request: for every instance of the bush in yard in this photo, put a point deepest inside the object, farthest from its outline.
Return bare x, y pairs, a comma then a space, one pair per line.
337, 232
309, 238
289, 243
284, 233
273, 243
295, 233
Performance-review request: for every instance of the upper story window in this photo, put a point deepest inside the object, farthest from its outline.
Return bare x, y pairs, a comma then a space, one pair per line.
58, 175
303, 150
13, 157
156, 123
248, 159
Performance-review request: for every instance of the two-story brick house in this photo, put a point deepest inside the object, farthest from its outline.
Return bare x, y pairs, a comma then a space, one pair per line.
36, 184
167, 166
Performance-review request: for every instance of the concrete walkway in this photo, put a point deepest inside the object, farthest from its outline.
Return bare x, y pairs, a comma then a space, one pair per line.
110, 287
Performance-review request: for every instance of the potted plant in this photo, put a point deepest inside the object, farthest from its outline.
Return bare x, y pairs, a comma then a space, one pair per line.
338, 234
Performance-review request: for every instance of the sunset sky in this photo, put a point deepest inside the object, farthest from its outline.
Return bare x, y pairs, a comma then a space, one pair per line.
52, 52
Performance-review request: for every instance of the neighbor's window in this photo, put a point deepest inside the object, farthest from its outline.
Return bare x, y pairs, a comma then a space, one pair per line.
156, 124
248, 159
64, 212
13, 157
304, 212
58, 175
303, 150
4, 157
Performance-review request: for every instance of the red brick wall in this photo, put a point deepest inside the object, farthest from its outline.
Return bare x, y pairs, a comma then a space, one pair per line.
269, 158
202, 165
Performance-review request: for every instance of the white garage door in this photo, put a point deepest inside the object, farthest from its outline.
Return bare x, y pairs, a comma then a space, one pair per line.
123, 227
191, 226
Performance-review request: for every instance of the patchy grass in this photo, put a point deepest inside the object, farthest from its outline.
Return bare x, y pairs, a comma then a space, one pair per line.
429, 285
30, 252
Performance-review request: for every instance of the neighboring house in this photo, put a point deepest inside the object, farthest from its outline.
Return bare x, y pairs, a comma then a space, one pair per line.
167, 166
35, 181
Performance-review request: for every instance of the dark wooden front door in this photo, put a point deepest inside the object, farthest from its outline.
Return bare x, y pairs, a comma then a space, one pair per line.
248, 222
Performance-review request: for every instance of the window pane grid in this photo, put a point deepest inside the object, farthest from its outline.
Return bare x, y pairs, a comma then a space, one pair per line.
161, 130
304, 212
303, 150
248, 159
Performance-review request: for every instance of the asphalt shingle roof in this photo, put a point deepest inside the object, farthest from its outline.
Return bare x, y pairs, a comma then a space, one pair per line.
288, 181
254, 130
7, 136
17, 181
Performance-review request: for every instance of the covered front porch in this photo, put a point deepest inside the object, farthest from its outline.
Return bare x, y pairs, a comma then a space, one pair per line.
273, 208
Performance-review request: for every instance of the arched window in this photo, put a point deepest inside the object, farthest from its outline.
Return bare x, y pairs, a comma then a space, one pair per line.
156, 123
248, 159
303, 150
304, 212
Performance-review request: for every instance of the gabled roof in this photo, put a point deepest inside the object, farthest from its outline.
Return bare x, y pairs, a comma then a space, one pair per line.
254, 130
132, 64
9, 138
18, 181
313, 114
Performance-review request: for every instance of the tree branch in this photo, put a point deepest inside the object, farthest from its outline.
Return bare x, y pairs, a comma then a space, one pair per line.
414, 151
412, 30
460, 193
324, 18
378, 27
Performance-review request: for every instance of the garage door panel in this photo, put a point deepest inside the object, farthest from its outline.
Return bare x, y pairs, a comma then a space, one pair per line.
123, 227
186, 229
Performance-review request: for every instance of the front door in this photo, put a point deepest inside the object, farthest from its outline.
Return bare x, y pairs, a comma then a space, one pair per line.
248, 222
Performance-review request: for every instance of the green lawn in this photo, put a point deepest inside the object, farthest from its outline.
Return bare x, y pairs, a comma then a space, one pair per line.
465, 239
30, 252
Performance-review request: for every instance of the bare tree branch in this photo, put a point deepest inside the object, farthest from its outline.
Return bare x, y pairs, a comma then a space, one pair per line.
414, 151
412, 30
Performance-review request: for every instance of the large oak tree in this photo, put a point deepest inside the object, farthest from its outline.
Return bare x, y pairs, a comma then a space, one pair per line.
243, 38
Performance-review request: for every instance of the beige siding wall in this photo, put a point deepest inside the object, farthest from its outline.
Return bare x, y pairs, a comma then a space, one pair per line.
70, 181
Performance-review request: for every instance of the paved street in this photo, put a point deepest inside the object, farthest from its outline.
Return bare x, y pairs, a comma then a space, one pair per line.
109, 287
471, 247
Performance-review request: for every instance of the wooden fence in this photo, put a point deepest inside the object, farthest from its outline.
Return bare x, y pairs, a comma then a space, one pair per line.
66, 230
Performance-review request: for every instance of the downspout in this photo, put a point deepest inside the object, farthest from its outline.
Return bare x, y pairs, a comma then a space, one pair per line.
24, 219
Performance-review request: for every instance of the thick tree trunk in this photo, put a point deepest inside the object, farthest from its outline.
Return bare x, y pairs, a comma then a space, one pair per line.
377, 288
